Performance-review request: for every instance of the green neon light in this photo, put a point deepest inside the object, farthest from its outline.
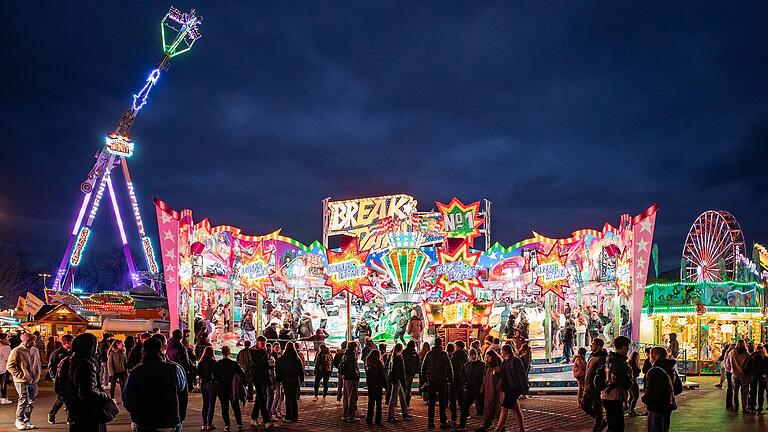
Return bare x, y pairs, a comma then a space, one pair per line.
691, 309
669, 284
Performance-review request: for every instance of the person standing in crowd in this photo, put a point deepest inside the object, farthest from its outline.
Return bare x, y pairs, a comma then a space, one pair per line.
594, 326
568, 336
491, 389
363, 330
337, 358
277, 394
634, 390
248, 329
728, 378
289, 371
514, 380
591, 403
721, 363
581, 329
286, 334
323, 368
24, 366
177, 353
77, 383
580, 370
415, 327
738, 359
5, 376
54, 360
130, 342
396, 381
202, 342
271, 332
412, 363
134, 356
205, 368
159, 408
618, 381
116, 361
368, 346
758, 366
459, 358
40, 345
306, 329
228, 376
402, 326
472, 373
674, 345
260, 379
438, 373
351, 375
243, 358
658, 393
487, 343
375, 381
104, 345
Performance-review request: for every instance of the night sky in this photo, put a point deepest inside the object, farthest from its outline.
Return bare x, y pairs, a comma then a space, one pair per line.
564, 114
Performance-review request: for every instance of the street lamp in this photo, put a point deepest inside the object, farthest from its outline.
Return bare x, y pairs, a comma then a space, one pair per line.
44, 276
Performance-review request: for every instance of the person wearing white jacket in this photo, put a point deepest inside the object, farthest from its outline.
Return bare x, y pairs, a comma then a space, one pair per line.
24, 366
5, 376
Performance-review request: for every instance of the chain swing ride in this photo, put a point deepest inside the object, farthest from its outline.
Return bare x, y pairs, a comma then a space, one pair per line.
179, 32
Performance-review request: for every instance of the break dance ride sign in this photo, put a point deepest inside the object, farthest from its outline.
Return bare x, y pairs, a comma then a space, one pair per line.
346, 270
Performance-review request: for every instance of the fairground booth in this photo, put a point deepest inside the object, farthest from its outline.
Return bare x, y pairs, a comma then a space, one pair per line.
383, 261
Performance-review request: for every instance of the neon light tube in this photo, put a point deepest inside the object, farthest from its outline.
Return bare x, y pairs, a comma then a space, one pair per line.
117, 210
139, 100
82, 213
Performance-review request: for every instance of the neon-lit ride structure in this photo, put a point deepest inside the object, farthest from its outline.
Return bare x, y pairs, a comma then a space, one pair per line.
179, 33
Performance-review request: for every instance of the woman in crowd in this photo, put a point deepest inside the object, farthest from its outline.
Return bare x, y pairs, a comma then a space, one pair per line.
207, 387
634, 391
79, 385
116, 366
397, 383
289, 372
491, 388
351, 374
580, 370
323, 368
721, 363
277, 386
374, 370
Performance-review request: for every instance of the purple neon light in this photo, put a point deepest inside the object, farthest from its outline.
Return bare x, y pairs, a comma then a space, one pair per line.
80, 215
117, 210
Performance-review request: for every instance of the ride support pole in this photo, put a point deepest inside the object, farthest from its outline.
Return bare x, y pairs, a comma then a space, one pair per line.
548, 325
349, 316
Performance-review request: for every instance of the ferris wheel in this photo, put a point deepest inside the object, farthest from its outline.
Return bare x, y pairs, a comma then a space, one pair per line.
711, 248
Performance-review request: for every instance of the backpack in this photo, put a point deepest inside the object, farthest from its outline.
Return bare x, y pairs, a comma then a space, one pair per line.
677, 383
599, 382
515, 377
324, 363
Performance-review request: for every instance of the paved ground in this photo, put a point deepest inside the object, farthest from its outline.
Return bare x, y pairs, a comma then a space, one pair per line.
699, 410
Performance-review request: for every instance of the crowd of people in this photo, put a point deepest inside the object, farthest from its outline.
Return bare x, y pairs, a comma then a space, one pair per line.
744, 370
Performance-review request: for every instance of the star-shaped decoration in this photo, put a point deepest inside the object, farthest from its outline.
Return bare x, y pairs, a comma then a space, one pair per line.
639, 275
165, 217
255, 272
169, 268
346, 270
642, 245
460, 220
551, 273
171, 253
640, 262
457, 271
170, 279
645, 225
623, 274
168, 235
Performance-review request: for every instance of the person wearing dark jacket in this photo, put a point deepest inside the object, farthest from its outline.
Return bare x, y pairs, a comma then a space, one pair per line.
159, 408
260, 378
78, 385
337, 357
286, 334
350, 373
290, 373
271, 332
53, 366
177, 353
412, 364
134, 356
375, 381
437, 373
472, 374
591, 403
243, 358
458, 359
618, 381
658, 392
229, 377
396, 380
205, 368
363, 330
757, 367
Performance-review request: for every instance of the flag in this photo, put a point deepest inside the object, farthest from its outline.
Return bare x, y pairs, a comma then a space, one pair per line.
168, 225
642, 243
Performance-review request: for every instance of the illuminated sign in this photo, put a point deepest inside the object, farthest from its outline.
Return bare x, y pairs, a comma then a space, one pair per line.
355, 217
456, 271
255, 272
119, 145
346, 270
762, 254
149, 253
458, 313
551, 272
77, 252
624, 275
460, 220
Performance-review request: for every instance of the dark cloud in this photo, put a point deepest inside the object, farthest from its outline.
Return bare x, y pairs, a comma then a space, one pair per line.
565, 116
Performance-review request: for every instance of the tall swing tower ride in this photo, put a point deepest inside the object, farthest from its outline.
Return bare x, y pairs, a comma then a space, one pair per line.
179, 33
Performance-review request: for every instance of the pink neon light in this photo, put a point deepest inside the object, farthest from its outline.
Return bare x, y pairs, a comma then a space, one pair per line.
82, 213
117, 210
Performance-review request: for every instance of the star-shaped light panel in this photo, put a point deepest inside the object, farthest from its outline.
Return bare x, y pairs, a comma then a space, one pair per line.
255, 272
456, 271
624, 273
346, 270
460, 220
551, 273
